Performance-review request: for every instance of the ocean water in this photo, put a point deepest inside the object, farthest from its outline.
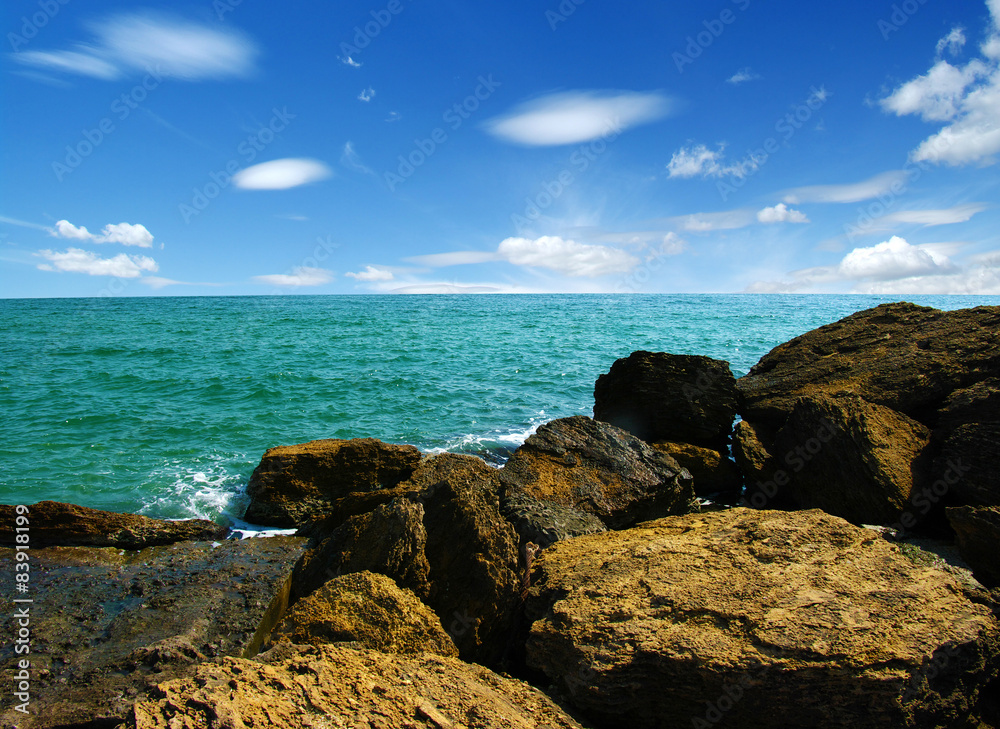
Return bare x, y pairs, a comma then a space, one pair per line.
164, 406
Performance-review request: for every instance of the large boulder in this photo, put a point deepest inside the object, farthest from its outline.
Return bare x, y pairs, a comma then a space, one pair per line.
673, 397
292, 687
748, 618
851, 458
712, 471
600, 469
298, 483
544, 522
472, 553
389, 540
370, 609
54, 524
905, 357
106, 624
763, 477
967, 436
977, 531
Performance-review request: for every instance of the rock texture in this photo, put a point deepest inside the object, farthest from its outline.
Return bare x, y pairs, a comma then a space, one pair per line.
298, 483
905, 357
658, 396
750, 618
712, 471
599, 469
67, 525
367, 608
851, 458
389, 540
978, 536
543, 522
967, 435
343, 686
108, 624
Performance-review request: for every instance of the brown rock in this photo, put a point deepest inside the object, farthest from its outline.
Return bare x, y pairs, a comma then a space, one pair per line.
389, 540
106, 624
977, 533
52, 523
763, 477
968, 438
297, 483
472, 553
712, 471
658, 396
543, 522
339, 685
368, 608
905, 357
851, 458
746, 618
600, 469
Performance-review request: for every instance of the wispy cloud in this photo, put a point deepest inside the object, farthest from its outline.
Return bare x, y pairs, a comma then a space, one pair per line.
742, 76
352, 160
348, 61
372, 273
846, 193
708, 222
366, 94
75, 260
281, 174
145, 41
700, 161
781, 213
300, 276
930, 218
577, 116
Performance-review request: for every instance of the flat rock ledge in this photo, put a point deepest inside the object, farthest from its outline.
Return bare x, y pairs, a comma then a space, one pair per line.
747, 618
346, 686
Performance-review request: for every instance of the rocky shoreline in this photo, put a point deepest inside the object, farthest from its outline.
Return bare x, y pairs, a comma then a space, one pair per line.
617, 571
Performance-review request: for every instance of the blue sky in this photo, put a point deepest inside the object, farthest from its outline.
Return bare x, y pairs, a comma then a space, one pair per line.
238, 147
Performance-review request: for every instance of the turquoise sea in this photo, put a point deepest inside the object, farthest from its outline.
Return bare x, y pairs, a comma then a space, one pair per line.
164, 406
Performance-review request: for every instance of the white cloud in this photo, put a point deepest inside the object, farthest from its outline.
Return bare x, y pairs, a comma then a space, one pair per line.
672, 245
929, 218
742, 76
953, 42
892, 259
153, 42
700, 161
124, 233
849, 193
566, 256
781, 213
81, 62
577, 116
348, 61
366, 94
300, 276
65, 229
394, 116
74, 260
372, 273
967, 97
281, 174
351, 159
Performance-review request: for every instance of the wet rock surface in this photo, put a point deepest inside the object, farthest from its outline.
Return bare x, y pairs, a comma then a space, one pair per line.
342, 685
369, 609
658, 396
599, 469
298, 483
107, 624
53, 523
750, 618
